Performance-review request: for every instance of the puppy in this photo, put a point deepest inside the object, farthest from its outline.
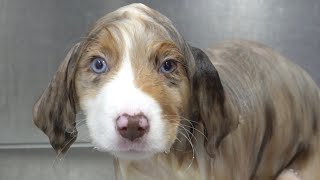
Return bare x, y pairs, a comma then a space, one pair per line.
167, 110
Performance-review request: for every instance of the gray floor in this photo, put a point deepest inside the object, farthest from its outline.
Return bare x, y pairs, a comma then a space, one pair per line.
36, 164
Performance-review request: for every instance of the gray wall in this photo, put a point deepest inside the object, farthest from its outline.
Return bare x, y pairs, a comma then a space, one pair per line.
36, 34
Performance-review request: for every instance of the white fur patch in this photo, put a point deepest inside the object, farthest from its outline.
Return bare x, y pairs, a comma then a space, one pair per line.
117, 97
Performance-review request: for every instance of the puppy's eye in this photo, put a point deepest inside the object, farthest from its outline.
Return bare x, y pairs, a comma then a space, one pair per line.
99, 65
168, 66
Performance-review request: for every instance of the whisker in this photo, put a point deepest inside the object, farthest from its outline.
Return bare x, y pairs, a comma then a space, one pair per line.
178, 149
78, 125
61, 156
181, 117
191, 121
183, 151
192, 151
196, 130
84, 136
188, 132
191, 126
81, 119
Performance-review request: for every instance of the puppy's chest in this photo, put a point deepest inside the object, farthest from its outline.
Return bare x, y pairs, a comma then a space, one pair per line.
157, 168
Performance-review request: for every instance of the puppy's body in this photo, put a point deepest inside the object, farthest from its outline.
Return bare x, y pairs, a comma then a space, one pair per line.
168, 110
277, 104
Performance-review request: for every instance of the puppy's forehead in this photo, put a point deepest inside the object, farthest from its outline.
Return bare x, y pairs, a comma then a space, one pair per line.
137, 21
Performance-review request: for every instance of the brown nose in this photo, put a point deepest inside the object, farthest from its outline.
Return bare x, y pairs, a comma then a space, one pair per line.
132, 127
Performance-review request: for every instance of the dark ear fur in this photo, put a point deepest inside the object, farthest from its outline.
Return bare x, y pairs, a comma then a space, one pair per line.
55, 111
209, 97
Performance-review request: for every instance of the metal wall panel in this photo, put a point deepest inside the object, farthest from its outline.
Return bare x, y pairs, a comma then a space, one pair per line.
35, 36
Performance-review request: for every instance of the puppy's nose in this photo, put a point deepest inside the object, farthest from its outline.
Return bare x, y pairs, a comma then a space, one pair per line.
132, 127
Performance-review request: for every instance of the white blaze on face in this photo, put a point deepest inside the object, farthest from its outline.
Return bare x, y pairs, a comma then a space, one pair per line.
119, 96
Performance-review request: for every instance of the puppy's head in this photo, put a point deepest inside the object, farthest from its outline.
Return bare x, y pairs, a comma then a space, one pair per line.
134, 77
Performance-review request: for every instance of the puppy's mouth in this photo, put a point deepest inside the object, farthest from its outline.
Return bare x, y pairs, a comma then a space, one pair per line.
137, 149
136, 145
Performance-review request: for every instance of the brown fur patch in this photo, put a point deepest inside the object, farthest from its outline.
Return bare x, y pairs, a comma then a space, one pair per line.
104, 45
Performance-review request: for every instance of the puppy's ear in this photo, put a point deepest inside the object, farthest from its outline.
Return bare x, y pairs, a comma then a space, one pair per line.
55, 111
210, 101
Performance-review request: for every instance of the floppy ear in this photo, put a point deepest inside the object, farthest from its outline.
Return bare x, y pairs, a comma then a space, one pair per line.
210, 101
55, 111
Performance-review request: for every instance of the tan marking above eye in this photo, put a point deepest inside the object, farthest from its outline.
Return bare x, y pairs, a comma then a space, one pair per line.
103, 45
165, 51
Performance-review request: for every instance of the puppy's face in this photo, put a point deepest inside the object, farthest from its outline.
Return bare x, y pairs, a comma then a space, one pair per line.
135, 78
132, 84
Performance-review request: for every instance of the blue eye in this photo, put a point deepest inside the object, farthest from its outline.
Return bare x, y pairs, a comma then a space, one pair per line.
168, 66
98, 65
